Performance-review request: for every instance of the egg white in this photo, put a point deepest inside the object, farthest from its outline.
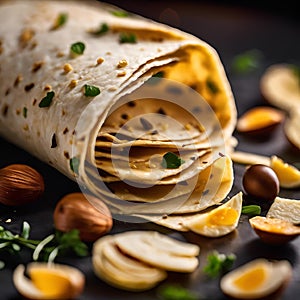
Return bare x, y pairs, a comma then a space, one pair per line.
203, 226
276, 273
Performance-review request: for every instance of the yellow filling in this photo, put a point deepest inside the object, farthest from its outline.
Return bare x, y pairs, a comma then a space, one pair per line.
226, 216
251, 280
51, 282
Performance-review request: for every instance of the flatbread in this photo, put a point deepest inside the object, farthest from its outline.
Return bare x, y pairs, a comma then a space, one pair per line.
55, 102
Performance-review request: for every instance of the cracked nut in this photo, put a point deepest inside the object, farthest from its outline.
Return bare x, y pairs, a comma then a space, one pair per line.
20, 184
91, 217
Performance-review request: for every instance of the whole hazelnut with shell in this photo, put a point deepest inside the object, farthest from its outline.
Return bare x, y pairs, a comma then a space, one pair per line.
20, 184
75, 211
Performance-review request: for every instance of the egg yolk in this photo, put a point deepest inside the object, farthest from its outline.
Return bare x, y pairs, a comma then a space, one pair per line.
223, 217
50, 282
251, 280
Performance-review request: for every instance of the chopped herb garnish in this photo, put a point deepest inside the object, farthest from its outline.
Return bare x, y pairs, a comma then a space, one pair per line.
46, 101
103, 29
61, 19
25, 112
91, 91
251, 210
212, 86
120, 13
127, 38
247, 61
74, 164
171, 161
159, 75
78, 48
47, 249
176, 292
218, 263
2, 265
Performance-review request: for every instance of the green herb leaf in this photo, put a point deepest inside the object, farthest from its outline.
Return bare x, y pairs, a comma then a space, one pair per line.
211, 85
91, 91
78, 48
218, 263
70, 241
127, 38
74, 164
25, 112
103, 29
25, 230
61, 19
176, 292
41, 245
48, 248
2, 264
46, 101
171, 161
251, 210
120, 13
159, 75
247, 61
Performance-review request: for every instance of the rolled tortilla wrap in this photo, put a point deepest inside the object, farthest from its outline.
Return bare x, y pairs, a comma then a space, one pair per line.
65, 64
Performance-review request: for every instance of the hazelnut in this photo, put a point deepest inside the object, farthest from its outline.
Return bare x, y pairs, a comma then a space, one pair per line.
75, 211
261, 182
20, 184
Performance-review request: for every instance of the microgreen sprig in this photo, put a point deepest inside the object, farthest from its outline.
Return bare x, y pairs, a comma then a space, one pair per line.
218, 263
47, 249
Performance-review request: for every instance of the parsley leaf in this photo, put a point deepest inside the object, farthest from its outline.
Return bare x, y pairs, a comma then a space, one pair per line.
120, 13
247, 61
159, 75
46, 101
61, 19
171, 161
127, 38
91, 91
74, 164
103, 29
25, 112
212, 86
57, 244
251, 210
176, 292
78, 48
218, 263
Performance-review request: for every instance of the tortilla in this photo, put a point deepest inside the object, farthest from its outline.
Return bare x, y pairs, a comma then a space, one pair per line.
70, 68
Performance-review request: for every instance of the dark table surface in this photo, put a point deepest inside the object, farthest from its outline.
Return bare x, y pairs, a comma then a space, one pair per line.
231, 29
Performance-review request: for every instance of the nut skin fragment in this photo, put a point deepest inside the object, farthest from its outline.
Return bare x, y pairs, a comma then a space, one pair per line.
20, 184
75, 211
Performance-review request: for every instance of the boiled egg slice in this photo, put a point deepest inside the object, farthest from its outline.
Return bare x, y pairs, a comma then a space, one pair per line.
218, 221
48, 281
257, 279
